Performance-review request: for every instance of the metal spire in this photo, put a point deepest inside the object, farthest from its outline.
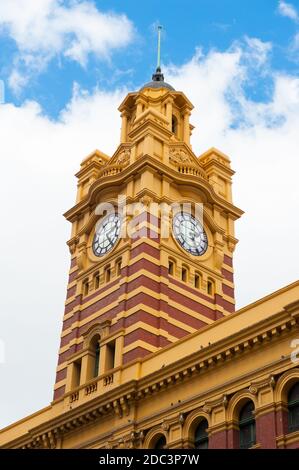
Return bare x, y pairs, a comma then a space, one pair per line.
159, 48
158, 75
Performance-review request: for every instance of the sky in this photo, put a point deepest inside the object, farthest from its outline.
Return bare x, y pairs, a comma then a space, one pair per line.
65, 66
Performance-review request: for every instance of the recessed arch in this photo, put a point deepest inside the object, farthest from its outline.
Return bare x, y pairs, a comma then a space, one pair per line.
191, 423
293, 407
284, 384
101, 329
247, 425
237, 402
153, 436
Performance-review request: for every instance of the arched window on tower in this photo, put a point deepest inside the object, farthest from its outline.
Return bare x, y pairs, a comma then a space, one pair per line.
197, 280
97, 360
96, 280
118, 267
185, 274
107, 273
174, 125
293, 408
95, 348
201, 439
171, 267
210, 287
247, 426
85, 287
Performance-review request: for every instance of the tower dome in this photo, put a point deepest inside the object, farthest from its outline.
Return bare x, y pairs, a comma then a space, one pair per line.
157, 81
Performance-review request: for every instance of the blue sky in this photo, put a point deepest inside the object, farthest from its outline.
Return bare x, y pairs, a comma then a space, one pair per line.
66, 67
209, 24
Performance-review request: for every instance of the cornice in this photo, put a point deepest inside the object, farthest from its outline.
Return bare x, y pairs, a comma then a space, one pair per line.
118, 400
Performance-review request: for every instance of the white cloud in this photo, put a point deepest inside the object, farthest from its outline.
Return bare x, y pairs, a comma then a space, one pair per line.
288, 10
264, 152
38, 160
39, 157
44, 29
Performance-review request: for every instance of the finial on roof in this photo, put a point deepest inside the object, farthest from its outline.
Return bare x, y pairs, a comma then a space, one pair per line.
159, 47
158, 75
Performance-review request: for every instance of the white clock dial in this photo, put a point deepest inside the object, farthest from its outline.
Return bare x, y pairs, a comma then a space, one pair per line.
106, 234
190, 234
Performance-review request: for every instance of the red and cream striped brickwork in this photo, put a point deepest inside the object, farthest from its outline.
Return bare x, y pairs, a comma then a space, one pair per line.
143, 300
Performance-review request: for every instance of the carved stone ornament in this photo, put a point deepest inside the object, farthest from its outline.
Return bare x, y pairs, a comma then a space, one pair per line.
225, 401
206, 409
181, 418
272, 382
146, 200
253, 390
178, 156
165, 426
123, 158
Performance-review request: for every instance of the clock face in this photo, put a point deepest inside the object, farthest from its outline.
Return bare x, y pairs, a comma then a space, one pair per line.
190, 234
106, 235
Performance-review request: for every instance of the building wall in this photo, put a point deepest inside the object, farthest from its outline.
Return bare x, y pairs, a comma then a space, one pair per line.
169, 391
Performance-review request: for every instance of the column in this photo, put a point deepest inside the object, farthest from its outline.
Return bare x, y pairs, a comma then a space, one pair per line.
138, 108
186, 136
169, 113
124, 125
87, 366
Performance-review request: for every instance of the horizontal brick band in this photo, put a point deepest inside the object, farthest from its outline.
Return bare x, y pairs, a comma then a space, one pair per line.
229, 291
147, 217
182, 316
228, 260
228, 276
147, 265
194, 305
100, 291
193, 291
134, 354
71, 291
225, 304
59, 392
145, 232
145, 248
73, 276
60, 375
69, 307
141, 334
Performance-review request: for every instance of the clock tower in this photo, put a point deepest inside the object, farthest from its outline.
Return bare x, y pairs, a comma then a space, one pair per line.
151, 245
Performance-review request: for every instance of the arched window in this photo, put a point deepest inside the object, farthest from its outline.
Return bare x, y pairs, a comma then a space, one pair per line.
97, 280
118, 267
293, 408
201, 439
247, 426
107, 274
171, 268
210, 287
85, 287
174, 124
197, 281
160, 443
185, 273
95, 358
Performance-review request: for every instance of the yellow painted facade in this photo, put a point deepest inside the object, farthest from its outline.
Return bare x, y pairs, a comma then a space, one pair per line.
155, 322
